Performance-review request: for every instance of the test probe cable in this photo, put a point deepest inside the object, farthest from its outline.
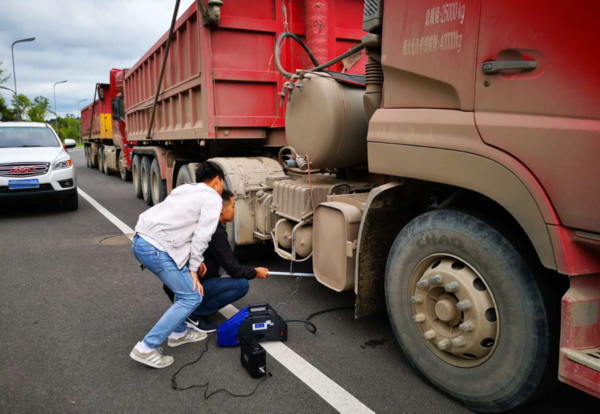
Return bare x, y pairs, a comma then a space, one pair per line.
205, 386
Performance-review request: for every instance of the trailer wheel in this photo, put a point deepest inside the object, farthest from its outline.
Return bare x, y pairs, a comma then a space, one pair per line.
184, 176
471, 312
105, 168
86, 152
136, 170
145, 179
158, 186
93, 160
101, 159
123, 171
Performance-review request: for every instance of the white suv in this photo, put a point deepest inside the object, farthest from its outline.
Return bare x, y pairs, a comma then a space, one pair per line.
34, 166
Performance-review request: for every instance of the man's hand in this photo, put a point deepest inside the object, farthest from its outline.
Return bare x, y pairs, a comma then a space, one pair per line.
202, 270
194, 276
262, 272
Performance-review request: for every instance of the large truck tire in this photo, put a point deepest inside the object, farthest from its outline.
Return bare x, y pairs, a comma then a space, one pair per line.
105, 169
184, 176
136, 172
146, 180
123, 171
93, 159
101, 159
158, 186
471, 312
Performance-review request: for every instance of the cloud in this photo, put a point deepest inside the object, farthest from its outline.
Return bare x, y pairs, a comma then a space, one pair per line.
78, 41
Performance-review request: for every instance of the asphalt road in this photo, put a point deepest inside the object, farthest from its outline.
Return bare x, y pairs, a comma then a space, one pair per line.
73, 302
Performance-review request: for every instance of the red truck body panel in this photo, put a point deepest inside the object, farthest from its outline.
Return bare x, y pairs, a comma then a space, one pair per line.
548, 118
222, 82
99, 108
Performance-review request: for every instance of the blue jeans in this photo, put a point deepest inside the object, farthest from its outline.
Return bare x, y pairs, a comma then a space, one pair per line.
179, 281
220, 292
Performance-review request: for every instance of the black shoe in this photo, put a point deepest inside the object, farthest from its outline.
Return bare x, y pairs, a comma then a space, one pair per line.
200, 324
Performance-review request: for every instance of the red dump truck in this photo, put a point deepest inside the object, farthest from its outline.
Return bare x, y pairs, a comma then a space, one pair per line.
443, 168
103, 128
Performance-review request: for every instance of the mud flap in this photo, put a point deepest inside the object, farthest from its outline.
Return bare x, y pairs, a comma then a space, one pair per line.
389, 208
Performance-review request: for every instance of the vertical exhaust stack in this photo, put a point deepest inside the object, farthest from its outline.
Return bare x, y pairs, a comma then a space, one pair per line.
373, 23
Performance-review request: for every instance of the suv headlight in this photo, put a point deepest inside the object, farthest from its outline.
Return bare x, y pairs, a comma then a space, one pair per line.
61, 165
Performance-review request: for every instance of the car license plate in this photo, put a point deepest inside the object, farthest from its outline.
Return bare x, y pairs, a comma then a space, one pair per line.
17, 184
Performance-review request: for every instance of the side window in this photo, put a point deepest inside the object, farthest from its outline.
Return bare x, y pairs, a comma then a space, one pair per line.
122, 107
116, 108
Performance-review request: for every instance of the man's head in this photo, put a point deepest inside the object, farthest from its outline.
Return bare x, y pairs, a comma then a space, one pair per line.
228, 212
212, 175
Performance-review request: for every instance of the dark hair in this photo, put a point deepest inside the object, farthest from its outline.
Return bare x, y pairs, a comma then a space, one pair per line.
227, 196
208, 170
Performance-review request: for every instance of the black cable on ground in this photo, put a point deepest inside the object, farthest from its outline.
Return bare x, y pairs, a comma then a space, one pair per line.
311, 327
205, 386
329, 310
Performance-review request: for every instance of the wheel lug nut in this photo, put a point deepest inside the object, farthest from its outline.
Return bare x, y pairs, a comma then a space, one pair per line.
467, 326
436, 280
419, 317
459, 341
429, 335
463, 305
451, 287
444, 344
423, 284
416, 299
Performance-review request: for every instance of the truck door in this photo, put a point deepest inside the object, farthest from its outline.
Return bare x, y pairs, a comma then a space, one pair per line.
540, 98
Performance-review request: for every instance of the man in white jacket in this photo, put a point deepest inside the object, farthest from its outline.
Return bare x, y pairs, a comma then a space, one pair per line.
170, 240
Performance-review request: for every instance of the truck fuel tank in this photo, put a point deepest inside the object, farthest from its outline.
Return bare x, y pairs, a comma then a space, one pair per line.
326, 120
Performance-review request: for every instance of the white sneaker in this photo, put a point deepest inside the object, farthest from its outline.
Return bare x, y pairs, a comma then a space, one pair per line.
154, 359
190, 336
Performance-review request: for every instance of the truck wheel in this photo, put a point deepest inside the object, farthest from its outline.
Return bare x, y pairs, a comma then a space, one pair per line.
125, 173
145, 179
72, 202
158, 186
86, 152
101, 159
136, 170
105, 169
184, 176
470, 311
93, 160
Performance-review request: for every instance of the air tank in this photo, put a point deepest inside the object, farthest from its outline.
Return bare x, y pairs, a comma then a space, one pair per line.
327, 122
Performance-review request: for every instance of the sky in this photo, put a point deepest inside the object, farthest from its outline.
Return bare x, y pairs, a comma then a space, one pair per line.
79, 41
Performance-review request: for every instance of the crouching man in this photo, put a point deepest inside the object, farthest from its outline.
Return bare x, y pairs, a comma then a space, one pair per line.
219, 259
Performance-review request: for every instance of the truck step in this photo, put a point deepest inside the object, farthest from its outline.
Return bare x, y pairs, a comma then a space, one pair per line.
586, 357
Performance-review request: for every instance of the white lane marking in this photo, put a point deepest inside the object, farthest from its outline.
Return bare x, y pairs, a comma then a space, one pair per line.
110, 216
325, 387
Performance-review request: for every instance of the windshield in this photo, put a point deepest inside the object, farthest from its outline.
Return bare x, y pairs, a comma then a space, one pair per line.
23, 137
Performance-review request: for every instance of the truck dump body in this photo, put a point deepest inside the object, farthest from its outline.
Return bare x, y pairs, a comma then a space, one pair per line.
222, 82
101, 127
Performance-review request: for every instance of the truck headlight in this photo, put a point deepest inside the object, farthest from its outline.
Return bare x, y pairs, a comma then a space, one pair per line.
61, 165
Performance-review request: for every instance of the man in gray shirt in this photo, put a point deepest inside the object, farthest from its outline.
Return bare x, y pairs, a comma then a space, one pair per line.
170, 240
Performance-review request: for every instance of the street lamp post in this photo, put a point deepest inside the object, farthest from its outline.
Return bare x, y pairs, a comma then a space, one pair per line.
55, 108
80, 130
31, 39
8, 89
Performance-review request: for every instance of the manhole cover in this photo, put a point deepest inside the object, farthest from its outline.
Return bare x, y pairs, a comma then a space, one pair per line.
121, 239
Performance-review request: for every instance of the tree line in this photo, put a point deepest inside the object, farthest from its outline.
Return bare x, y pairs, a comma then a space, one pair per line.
36, 110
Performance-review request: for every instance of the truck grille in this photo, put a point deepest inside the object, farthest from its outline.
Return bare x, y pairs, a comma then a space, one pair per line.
24, 169
371, 7
43, 187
